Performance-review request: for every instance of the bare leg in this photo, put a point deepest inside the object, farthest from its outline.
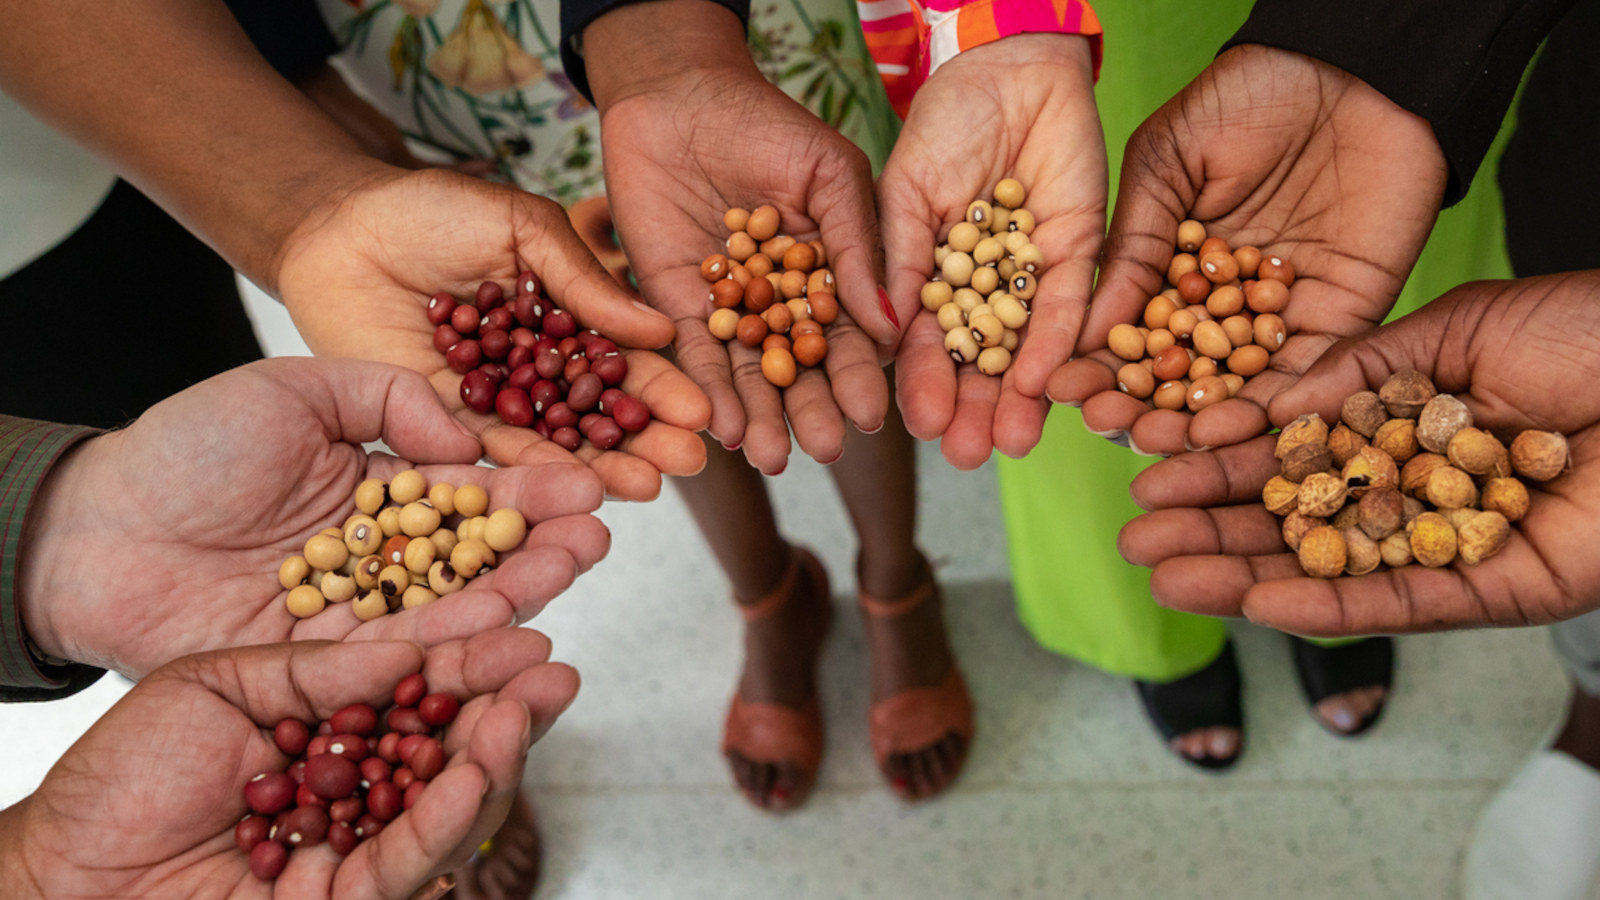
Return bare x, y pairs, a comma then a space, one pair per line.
730, 505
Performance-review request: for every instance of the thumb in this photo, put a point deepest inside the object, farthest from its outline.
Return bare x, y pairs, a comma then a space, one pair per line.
845, 211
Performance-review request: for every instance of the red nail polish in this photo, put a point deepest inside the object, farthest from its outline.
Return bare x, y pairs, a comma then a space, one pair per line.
888, 309
780, 793
900, 784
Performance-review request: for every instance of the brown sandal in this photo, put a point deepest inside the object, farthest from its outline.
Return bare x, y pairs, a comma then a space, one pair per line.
916, 719
777, 734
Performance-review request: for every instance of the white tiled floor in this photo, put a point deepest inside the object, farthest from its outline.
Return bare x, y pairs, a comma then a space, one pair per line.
1068, 793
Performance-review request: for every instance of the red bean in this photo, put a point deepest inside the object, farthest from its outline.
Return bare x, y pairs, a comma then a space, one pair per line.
523, 377
439, 710
559, 324
549, 363
542, 429
440, 306
297, 771
332, 777
347, 810
389, 748
497, 372
324, 728
611, 369
445, 337
466, 319
631, 413
291, 736
567, 438
406, 721
368, 826
585, 392
269, 793
410, 690
518, 356
496, 344
498, 319
465, 356
544, 394
414, 793
305, 826
319, 744
408, 746
403, 777
513, 407
384, 801
350, 746
268, 859
477, 391
357, 718
598, 347
524, 337
606, 433
375, 769
342, 838
489, 295
527, 283
428, 760
570, 348
575, 367
528, 310
304, 796
560, 415
608, 399
250, 831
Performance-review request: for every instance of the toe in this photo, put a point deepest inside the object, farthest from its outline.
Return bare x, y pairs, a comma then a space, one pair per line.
1222, 743
1340, 713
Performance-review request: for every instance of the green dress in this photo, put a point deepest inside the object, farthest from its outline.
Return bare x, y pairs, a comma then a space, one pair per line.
1065, 502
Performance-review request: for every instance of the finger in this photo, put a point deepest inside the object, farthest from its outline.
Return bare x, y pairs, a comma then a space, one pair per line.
544, 688
706, 361
1053, 325
484, 663
910, 230
1245, 531
814, 416
424, 840
925, 379
671, 395
844, 208
1215, 585
1159, 432
1232, 421
1076, 381
305, 680
860, 387
1227, 476
766, 434
1018, 422
969, 441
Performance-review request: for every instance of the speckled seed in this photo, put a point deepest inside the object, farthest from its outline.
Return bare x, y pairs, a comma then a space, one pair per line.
506, 530
326, 552
407, 487
471, 500
370, 495
305, 601
994, 360
1322, 552
936, 294
293, 572
1433, 541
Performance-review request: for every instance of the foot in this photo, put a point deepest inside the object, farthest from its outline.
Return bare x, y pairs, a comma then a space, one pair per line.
1219, 746
1346, 712
910, 652
784, 632
1200, 714
1347, 684
508, 867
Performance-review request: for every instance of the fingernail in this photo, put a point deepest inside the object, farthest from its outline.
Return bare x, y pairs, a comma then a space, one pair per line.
1192, 448
647, 307
1128, 442
900, 784
1116, 436
733, 446
872, 430
829, 462
780, 793
888, 309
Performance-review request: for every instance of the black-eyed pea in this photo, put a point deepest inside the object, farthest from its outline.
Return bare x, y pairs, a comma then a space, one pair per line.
1158, 340
723, 324
367, 571
989, 251
371, 495
443, 498
305, 601
337, 588
1269, 331
1239, 329
506, 530
951, 317
957, 268
1010, 340
407, 487
1211, 340
333, 532
325, 551
994, 360
979, 212
987, 330
936, 294
418, 519
1009, 310
444, 540
418, 578
472, 558
443, 578
964, 237
471, 500
1248, 360
389, 520
1021, 221
1010, 193
369, 605
393, 580
362, 536
417, 595
1029, 258
293, 572
349, 567
982, 309
1136, 381
967, 300
420, 554
1171, 395
985, 280
1126, 341
963, 348
1022, 285
471, 529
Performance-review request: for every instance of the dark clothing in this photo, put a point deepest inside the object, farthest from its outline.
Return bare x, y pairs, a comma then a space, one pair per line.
576, 16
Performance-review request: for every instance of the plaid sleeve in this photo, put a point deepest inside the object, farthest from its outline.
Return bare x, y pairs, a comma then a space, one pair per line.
910, 39
28, 449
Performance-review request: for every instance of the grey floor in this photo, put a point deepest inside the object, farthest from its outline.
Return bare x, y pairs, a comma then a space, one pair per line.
1068, 793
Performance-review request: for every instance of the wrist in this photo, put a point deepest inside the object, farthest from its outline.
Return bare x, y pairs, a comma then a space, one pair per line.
43, 551
634, 49
20, 881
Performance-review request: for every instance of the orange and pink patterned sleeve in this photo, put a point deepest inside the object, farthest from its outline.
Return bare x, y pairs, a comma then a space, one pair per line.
910, 39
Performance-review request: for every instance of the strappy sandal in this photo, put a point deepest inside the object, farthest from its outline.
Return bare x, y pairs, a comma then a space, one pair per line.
1329, 671
1210, 698
776, 734
916, 719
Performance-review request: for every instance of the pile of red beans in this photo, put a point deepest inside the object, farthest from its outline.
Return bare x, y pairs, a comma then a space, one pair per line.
527, 361
348, 776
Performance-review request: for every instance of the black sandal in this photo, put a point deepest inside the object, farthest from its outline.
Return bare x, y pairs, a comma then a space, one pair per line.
1328, 671
1209, 698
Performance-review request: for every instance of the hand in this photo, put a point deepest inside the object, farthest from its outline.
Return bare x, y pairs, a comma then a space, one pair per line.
685, 142
145, 803
1022, 107
1513, 351
1277, 150
165, 538
356, 276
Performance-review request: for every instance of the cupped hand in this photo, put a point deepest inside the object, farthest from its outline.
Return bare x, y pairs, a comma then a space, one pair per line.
1517, 353
356, 277
145, 803
1276, 150
682, 149
1022, 107
165, 538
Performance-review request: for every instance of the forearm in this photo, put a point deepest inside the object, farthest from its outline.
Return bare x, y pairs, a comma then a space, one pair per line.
172, 93
631, 49
19, 882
